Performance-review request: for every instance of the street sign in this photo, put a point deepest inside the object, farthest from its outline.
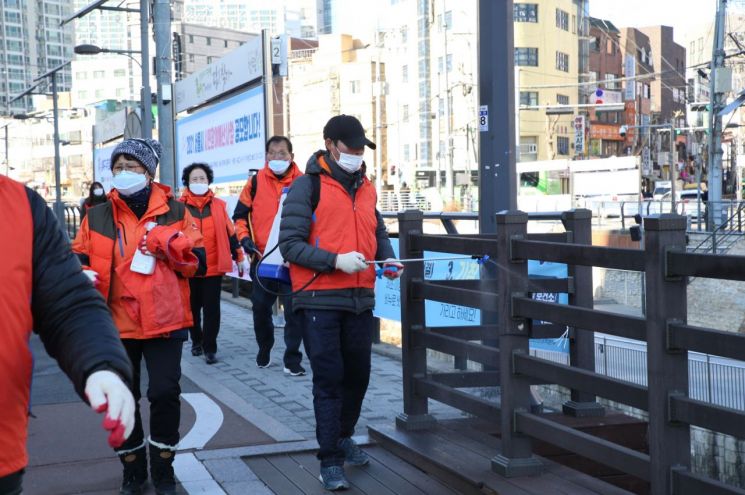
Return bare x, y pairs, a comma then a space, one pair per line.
484, 118
579, 134
646, 161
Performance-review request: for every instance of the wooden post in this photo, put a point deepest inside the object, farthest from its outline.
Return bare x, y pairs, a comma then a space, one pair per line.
667, 368
413, 358
582, 342
516, 458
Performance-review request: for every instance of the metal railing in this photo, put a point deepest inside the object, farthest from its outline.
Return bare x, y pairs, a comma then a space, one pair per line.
501, 343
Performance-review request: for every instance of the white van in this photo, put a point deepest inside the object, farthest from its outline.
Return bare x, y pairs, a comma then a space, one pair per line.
661, 187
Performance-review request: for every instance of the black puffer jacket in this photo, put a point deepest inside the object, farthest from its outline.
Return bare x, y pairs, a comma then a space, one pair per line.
69, 314
297, 212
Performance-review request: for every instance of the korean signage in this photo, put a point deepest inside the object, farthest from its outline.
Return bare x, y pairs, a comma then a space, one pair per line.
229, 136
630, 72
646, 161
579, 134
388, 292
608, 132
102, 166
239, 67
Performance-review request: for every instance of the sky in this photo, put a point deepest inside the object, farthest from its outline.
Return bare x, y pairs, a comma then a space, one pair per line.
680, 14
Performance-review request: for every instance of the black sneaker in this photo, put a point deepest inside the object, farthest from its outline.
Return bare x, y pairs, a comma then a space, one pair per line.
295, 370
263, 358
210, 357
196, 350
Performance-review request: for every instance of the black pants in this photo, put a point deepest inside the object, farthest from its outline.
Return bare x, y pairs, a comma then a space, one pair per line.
163, 361
261, 307
11, 484
205, 301
338, 344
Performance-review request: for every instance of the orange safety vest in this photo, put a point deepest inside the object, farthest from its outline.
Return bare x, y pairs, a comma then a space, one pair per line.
211, 217
263, 203
340, 226
16, 251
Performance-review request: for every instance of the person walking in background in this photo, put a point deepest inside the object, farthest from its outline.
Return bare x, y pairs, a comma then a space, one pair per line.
139, 248
330, 230
220, 243
254, 216
96, 196
45, 290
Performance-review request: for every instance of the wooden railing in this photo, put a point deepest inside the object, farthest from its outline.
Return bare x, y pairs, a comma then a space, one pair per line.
501, 343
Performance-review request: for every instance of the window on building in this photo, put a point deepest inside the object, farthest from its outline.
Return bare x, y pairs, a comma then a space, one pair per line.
610, 81
562, 19
526, 56
191, 38
354, 87
562, 61
529, 98
405, 74
209, 41
595, 45
209, 60
14, 46
82, 95
448, 20
120, 73
525, 12
13, 17
81, 75
693, 46
574, 24
405, 113
562, 99
13, 31
226, 43
610, 47
12, 4
404, 34
99, 74
528, 153
191, 58
562, 145
594, 76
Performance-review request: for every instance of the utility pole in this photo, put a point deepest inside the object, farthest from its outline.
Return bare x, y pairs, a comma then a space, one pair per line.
497, 180
164, 76
715, 121
449, 196
59, 208
145, 102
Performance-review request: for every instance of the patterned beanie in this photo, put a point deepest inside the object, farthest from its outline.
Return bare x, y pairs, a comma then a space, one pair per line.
145, 151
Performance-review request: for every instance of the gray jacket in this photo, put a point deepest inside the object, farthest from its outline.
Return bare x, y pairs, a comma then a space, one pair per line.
294, 233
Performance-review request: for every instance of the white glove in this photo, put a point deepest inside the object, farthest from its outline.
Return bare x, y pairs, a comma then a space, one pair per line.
92, 276
351, 262
107, 392
244, 266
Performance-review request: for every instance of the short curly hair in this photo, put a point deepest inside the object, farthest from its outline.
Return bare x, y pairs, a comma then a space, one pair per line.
188, 170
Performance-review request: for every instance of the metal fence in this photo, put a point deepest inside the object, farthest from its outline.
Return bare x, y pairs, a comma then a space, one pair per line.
711, 379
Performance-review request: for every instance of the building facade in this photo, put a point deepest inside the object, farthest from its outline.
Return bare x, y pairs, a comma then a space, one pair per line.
668, 89
32, 44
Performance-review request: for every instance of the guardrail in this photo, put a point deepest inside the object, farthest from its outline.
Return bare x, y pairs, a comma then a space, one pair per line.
501, 343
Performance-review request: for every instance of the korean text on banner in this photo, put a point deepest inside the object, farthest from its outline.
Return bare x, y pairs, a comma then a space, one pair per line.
229, 136
102, 166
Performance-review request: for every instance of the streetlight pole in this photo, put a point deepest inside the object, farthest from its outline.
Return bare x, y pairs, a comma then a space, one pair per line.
162, 29
715, 120
145, 103
59, 208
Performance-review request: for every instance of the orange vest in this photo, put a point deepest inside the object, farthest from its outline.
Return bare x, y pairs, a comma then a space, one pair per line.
109, 236
16, 251
265, 202
211, 217
341, 226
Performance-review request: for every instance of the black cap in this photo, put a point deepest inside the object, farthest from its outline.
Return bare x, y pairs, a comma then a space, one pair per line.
348, 130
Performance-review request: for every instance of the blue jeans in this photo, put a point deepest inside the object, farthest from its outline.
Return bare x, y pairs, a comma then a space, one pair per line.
262, 302
338, 344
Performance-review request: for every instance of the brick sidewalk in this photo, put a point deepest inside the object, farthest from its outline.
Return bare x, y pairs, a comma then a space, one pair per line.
273, 395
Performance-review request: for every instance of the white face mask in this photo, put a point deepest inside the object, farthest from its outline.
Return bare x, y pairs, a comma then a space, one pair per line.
98, 191
128, 183
279, 167
350, 163
199, 189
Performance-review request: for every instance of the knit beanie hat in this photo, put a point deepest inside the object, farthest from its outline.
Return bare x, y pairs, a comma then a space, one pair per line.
145, 151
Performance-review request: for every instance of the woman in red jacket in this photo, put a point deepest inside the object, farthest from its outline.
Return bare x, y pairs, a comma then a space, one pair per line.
221, 244
139, 248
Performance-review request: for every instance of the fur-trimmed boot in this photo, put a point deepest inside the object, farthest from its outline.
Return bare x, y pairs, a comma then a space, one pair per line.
161, 468
135, 470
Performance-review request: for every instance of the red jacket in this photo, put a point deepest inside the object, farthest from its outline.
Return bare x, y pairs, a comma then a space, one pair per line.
341, 225
254, 217
218, 234
106, 242
17, 320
